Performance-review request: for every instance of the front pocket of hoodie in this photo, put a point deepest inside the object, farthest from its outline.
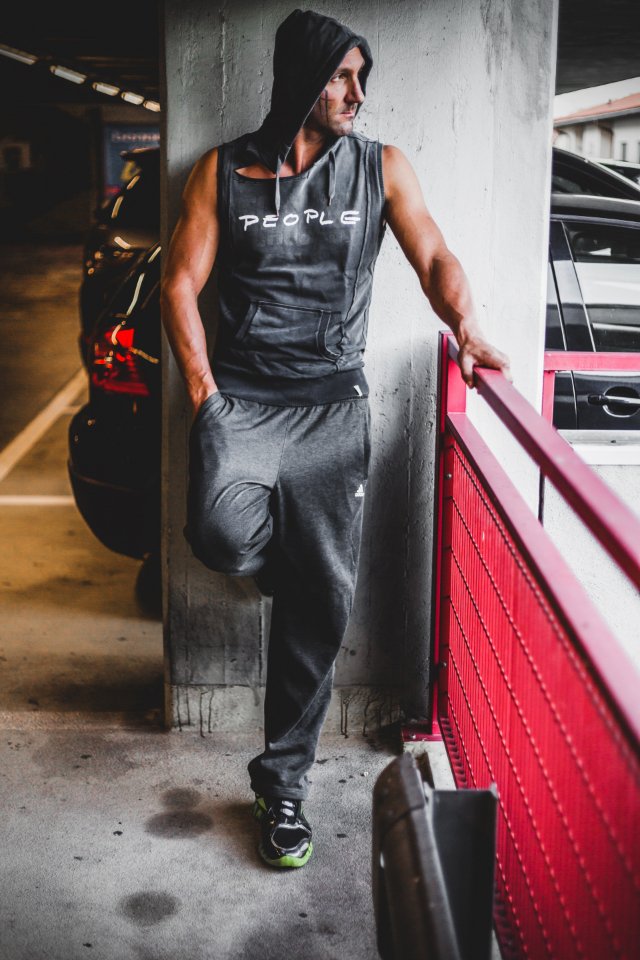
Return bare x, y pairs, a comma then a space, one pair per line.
287, 336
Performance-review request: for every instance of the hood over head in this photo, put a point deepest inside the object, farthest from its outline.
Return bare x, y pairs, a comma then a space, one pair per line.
309, 47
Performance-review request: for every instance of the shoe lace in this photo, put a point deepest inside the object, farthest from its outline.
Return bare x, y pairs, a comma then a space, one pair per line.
286, 809
287, 828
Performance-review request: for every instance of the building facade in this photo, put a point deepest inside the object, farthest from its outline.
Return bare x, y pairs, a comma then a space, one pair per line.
610, 131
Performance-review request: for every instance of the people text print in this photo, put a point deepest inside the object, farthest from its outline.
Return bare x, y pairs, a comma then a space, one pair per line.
347, 217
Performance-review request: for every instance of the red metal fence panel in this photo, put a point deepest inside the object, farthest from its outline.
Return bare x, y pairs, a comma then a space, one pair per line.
536, 696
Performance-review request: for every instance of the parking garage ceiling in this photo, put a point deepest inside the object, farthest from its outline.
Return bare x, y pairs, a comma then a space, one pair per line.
100, 41
598, 42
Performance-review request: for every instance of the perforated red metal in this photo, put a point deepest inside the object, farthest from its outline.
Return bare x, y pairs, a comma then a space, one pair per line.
527, 699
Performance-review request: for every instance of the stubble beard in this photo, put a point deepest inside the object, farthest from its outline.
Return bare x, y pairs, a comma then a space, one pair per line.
334, 126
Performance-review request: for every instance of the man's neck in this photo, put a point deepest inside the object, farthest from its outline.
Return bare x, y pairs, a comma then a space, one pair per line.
305, 150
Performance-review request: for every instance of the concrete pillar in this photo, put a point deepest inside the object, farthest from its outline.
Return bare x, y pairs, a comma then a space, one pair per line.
465, 90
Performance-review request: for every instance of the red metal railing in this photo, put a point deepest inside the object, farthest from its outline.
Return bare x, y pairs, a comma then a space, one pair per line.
534, 693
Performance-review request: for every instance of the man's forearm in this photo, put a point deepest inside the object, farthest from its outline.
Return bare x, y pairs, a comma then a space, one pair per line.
183, 325
449, 294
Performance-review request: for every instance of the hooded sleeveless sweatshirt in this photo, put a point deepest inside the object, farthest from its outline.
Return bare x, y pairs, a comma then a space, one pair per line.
296, 254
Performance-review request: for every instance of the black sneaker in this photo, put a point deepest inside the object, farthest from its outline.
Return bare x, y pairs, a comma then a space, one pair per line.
285, 839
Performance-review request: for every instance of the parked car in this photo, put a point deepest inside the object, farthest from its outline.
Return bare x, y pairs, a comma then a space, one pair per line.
126, 226
626, 168
593, 304
573, 174
114, 440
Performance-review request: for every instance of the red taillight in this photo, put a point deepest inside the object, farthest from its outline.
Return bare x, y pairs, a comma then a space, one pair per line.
114, 367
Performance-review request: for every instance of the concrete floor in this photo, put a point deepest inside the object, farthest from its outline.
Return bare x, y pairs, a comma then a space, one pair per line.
39, 322
130, 843
121, 840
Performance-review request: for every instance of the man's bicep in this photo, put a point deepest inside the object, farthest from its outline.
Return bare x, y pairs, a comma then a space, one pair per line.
193, 248
194, 243
406, 212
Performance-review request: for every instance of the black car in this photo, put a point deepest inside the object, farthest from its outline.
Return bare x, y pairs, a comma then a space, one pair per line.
114, 440
126, 226
573, 174
593, 305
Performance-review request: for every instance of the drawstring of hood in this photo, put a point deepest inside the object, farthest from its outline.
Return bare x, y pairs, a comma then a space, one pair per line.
331, 188
332, 177
277, 193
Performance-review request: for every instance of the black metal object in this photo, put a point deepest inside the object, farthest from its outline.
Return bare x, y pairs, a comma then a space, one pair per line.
433, 862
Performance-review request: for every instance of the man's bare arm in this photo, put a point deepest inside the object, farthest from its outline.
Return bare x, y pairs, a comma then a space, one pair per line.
440, 273
191, 256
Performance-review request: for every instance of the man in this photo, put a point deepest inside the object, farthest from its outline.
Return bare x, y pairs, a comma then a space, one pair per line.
293, 214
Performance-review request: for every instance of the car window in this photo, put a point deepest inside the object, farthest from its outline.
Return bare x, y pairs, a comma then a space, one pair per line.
138, 205
629, 170
554, 336
577, 178
133, 293
607, 260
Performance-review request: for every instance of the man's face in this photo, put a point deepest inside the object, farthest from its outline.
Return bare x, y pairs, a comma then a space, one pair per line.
335, 109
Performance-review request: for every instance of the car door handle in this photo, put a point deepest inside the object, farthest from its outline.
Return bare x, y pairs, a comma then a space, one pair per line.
603, 400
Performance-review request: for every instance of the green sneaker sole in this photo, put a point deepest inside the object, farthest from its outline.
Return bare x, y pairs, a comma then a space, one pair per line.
259, 809
286, 861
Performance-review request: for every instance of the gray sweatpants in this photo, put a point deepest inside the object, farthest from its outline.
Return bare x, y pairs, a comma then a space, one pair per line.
285, 486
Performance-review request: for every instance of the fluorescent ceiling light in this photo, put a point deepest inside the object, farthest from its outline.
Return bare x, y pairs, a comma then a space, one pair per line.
18, 55
107, 88
68, 74
132, 97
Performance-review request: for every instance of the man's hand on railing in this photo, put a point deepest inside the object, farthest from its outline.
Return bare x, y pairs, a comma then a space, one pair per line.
474, 350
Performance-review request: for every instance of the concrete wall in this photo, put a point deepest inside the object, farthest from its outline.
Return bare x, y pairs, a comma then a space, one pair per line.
465, 90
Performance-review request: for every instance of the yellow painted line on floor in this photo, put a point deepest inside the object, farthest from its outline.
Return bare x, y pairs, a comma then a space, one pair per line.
33, 431
35, 500
34, 719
